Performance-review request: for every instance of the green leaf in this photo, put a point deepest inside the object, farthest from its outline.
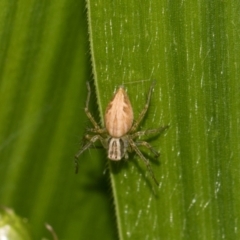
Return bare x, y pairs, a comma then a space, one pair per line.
191, 49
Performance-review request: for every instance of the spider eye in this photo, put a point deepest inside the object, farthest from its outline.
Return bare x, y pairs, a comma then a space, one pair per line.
116, 149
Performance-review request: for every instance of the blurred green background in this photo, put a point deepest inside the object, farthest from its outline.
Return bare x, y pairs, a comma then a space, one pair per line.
44, 66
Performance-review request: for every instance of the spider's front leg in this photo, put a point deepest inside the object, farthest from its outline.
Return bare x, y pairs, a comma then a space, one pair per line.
139, 153
85, 147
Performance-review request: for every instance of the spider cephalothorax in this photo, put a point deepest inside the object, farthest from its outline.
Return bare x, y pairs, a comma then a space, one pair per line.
120, 133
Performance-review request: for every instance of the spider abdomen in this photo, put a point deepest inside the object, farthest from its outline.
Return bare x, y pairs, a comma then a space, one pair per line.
119, 115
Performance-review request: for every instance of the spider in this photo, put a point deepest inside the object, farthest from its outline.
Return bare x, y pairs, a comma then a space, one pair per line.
119, 136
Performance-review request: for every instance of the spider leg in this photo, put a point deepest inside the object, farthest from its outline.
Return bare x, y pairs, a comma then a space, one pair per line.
136, 149
149, 146
142, 114
85, 147
97, 130
86, 109
149, 132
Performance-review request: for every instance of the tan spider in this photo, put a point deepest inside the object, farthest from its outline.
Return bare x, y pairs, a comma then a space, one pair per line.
120, 133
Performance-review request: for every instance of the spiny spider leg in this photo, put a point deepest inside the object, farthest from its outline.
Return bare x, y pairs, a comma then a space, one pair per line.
149, 132
135, 148
149, 146
103, 141
85, 147
98, 130
142, 114
89, 115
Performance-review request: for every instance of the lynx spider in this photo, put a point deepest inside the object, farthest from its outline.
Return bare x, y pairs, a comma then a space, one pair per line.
119, 134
